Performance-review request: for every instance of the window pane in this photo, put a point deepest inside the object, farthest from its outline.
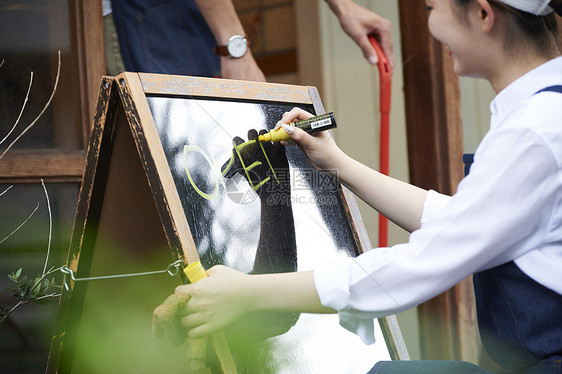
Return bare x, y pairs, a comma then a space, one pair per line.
32, 33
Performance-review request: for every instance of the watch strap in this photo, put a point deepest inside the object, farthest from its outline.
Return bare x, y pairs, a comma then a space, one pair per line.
221, 50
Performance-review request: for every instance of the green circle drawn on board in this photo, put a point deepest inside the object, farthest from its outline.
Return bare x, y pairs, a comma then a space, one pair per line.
194, 148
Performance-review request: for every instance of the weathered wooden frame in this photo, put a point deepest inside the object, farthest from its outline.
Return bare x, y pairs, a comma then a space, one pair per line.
123, 100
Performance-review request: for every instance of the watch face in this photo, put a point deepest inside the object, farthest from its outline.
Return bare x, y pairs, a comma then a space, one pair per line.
237, 46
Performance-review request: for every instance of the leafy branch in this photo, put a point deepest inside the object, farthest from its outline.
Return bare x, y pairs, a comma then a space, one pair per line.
42, 288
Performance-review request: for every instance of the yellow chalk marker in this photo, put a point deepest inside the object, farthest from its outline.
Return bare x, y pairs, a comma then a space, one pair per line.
310, 125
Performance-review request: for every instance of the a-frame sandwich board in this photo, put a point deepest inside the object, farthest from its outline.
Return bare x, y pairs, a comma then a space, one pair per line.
134, 214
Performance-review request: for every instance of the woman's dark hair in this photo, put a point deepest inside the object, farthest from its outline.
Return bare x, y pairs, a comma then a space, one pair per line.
540, 31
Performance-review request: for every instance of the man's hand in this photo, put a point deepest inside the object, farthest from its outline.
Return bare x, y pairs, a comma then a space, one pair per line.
243, 68
359, 22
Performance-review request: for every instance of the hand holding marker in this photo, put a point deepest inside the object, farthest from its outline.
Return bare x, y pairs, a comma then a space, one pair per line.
310, 125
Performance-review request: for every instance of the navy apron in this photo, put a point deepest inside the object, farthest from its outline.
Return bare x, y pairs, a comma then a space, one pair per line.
165, 36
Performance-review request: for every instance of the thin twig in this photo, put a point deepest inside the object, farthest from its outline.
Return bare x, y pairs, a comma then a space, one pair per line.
6, 190
43, 276
50, 225
40, 114
20, 303
54, 294
23, 223
22, 109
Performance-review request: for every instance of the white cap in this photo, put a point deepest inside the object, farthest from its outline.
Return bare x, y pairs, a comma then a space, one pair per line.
536, 7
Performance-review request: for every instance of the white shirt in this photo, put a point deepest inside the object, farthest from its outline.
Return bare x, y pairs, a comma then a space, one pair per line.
106, 7
508, 208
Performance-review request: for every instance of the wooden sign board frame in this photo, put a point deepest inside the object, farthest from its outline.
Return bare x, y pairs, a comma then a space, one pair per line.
128, 194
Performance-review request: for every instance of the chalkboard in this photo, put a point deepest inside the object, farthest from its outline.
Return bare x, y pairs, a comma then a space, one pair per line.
154, 186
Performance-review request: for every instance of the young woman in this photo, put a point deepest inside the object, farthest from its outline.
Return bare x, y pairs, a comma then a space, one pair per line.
504, 224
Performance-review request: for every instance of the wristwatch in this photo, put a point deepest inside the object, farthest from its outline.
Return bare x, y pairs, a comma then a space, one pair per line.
236, 47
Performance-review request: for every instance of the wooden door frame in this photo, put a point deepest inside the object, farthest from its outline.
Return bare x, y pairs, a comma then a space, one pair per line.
435, 147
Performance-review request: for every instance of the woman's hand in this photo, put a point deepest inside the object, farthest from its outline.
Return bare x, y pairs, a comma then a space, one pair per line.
215, 302
320, 148
226, 295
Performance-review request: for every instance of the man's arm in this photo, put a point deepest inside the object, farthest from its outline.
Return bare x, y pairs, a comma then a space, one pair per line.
223, 21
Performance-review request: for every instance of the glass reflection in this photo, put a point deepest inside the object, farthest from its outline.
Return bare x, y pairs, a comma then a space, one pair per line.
253, 235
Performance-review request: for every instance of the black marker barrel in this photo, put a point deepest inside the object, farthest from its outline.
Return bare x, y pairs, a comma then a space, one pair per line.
310, 125
318, 123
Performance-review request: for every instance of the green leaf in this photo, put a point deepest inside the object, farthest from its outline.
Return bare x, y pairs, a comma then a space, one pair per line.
24, 290
18, 273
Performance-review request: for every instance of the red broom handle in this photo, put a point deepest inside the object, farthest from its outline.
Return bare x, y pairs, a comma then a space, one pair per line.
385, 74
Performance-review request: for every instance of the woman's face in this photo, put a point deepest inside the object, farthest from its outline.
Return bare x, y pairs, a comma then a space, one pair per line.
459, 33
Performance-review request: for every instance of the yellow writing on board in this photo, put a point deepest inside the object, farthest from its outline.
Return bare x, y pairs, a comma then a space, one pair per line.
218, 179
